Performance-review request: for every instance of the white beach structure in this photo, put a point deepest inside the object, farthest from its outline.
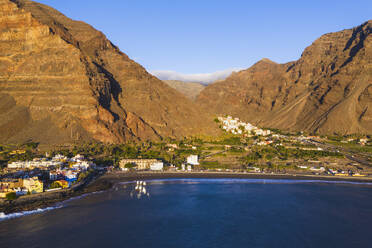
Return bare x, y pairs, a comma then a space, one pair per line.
192, 160
158, 166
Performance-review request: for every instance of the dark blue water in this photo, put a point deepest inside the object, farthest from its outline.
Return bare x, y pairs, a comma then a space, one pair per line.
205, 213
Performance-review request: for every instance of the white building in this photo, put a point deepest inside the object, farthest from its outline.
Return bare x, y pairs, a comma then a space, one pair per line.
59, 157
363, 141
303, 166
158, 166
193, 160
71, 175
53, 175
141, 164
317, 169
78, 158
82, 165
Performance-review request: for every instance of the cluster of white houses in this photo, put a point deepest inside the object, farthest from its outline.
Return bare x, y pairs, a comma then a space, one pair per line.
78, 162
63, 171
235, 126
36, 163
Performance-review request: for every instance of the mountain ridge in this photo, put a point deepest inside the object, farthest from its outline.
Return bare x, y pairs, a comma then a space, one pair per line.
67, 72
328, 90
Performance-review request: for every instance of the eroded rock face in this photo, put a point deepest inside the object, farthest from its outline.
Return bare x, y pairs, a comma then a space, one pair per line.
328, 90
67, 74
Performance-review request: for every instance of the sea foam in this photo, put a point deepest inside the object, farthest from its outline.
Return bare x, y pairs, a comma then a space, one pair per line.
24, 213
62, 204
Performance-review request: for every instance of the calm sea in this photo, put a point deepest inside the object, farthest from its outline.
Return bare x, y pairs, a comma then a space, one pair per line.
204, 213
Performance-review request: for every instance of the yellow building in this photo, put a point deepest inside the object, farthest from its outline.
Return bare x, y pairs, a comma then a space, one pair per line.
4, 192
359, 175
8, 185
341, 175
32, 185
62, 183
17, 152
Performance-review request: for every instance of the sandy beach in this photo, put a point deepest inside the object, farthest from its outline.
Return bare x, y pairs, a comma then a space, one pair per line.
114, 177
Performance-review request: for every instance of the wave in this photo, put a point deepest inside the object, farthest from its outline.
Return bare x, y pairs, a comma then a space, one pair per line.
24, 213
58, 205
63, 203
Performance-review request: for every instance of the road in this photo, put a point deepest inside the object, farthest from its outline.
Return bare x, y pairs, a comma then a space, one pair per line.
360, 158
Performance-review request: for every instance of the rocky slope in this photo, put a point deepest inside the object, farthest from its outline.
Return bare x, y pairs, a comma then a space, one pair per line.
328, 90
62, 81
189, 89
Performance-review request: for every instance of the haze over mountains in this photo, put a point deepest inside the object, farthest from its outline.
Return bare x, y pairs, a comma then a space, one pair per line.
203, 78
63, 81
189, 89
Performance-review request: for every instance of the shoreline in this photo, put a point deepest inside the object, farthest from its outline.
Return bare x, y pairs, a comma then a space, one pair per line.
125, 176
109, 179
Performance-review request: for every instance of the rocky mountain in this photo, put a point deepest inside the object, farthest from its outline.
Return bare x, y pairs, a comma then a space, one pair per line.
62, 81
328, 90
189, 89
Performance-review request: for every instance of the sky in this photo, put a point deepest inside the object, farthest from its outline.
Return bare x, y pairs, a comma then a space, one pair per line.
191, 39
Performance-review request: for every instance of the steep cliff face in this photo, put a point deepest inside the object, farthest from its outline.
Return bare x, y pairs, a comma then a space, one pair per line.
63, 72
328, 90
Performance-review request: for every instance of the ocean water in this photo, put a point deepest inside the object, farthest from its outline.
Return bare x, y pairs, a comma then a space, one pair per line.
203, 213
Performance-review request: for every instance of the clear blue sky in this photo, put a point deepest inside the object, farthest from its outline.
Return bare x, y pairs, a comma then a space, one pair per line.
199, 36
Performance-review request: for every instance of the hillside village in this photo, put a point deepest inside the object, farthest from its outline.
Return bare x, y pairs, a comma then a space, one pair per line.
235, 126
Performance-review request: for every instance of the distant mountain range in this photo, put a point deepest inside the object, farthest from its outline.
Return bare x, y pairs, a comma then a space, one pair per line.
62, 81
328, 90
203, 78
189, 89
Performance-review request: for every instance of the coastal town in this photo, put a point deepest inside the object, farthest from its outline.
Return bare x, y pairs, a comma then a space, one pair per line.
43, 174
242, 148
185, 124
